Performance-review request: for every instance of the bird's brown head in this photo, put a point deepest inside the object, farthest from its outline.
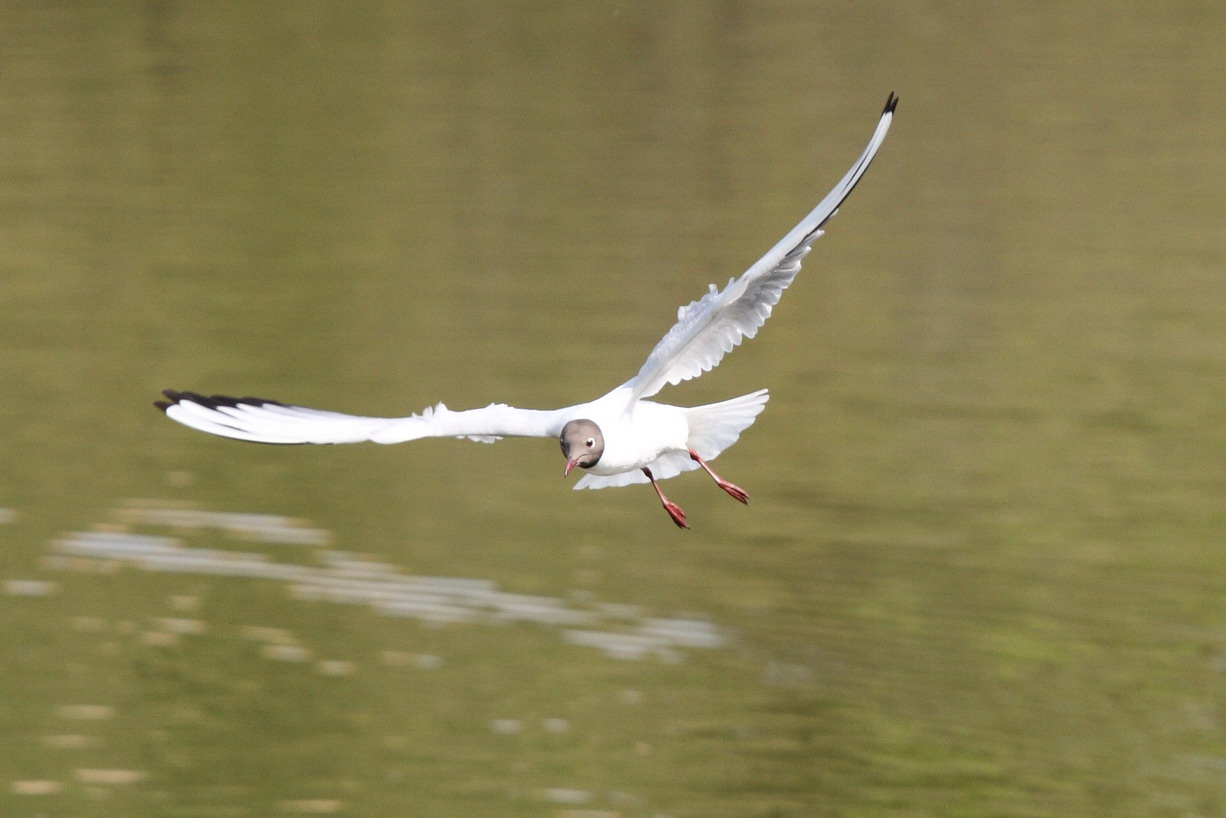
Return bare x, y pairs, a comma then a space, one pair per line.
582, 444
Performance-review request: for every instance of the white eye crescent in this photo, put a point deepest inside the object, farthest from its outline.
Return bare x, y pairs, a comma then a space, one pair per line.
591, 441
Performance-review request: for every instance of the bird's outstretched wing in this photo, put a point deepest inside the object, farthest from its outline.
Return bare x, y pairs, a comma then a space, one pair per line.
268, 421
712, 326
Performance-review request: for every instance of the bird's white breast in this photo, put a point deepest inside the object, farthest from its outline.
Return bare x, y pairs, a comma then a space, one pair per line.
636, 438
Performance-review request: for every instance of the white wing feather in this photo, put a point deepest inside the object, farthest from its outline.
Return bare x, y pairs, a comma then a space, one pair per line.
712, 326
266, 421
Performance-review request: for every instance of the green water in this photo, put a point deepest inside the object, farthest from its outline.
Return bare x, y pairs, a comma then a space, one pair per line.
981, 573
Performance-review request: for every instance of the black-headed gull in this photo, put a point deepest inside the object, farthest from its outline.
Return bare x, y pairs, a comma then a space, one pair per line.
618, 439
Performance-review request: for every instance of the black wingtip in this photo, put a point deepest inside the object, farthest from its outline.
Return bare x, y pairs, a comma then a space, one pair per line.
890, 104
174, 397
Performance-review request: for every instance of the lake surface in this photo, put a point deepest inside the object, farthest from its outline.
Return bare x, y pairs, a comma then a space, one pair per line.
982, 572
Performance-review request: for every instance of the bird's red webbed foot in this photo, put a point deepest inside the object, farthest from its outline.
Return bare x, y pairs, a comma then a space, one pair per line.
675, 511
734, 491
672, 508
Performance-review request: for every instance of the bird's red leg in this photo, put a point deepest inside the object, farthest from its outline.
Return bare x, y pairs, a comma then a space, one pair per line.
733, 489
672, 508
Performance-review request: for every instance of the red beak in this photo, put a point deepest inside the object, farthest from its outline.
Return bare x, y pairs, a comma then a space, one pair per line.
570, 464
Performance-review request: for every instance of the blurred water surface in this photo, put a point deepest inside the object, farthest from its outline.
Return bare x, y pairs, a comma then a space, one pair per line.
981, 573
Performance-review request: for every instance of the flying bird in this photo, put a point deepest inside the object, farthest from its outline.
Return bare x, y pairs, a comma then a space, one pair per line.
618, 439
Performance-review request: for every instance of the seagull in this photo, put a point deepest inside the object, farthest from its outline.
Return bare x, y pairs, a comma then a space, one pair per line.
617, 440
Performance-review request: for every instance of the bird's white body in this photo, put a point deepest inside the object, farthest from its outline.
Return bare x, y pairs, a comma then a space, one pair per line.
642, 433
636, 433
642, 440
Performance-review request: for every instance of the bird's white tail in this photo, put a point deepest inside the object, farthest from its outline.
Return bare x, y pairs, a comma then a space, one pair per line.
717, 426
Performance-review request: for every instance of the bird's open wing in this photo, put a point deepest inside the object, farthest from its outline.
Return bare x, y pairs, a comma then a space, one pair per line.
267, 421
710, 327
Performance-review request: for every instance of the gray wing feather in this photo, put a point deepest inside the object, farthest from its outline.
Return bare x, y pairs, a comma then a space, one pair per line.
711, 327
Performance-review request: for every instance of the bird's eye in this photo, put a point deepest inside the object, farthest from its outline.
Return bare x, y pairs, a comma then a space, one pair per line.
591, 441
